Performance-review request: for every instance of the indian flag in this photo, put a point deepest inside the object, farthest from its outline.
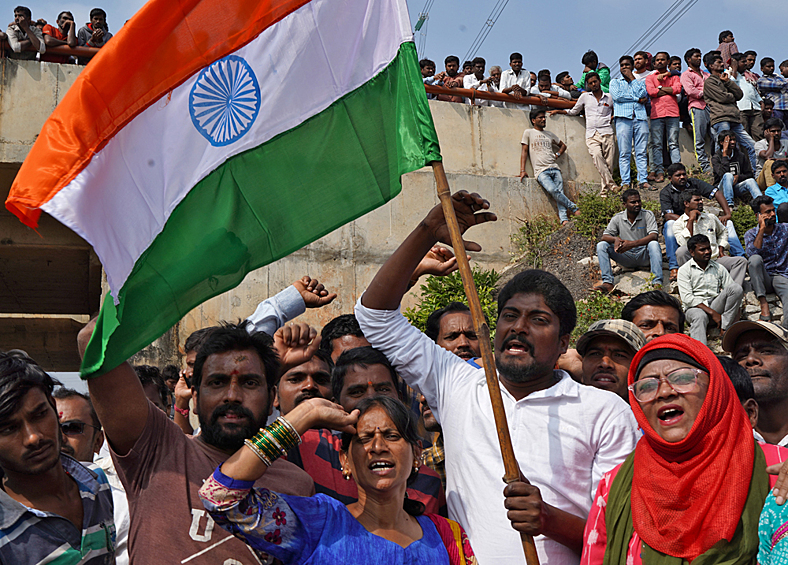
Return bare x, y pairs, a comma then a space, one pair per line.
212, 137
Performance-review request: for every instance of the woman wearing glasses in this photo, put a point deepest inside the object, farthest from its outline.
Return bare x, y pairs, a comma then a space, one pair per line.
693, 489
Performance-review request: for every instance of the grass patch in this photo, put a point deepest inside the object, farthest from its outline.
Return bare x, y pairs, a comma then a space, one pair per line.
530, 239
599, 306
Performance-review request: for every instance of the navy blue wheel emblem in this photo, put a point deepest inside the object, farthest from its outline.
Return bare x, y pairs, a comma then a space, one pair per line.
225, 100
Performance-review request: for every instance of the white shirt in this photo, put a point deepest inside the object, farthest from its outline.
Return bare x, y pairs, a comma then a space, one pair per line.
751, 99
762, 145
643, 75
470, 82
565, 438
524, 80
599, 113
561, 92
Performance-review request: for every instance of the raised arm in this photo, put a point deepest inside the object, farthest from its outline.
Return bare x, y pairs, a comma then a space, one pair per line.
386, 290
119, 400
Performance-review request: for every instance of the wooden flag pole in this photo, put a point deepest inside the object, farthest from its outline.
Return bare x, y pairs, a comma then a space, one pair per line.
512, 471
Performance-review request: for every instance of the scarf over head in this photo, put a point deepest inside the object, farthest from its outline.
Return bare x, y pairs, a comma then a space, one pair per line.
689, 495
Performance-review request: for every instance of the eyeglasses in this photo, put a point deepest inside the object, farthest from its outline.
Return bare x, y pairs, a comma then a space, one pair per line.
75, 428
682, 381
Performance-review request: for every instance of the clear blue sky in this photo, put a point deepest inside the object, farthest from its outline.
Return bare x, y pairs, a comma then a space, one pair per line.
550, 33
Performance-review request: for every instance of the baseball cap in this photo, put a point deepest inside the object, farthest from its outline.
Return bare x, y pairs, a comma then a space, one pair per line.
733, 333
622, 329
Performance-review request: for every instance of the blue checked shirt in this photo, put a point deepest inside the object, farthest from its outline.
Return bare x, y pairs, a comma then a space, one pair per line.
625, 99
29, 536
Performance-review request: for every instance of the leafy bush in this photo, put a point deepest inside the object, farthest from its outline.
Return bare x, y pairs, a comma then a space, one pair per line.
530, 239
438, 292
743, 219
654, 206
595, 213
599, 306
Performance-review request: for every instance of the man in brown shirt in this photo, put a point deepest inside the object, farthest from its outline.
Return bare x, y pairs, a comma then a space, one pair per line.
451, 78
162, 469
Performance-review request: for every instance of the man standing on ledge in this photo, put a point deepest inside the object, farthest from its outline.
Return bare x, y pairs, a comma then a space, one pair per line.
563, 438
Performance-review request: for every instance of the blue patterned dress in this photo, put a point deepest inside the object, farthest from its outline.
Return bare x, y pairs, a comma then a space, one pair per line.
773, 533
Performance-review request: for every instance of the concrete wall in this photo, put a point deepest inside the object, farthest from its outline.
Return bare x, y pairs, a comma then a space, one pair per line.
481, 150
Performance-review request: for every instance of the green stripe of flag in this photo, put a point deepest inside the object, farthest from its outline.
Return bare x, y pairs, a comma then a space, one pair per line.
264, 204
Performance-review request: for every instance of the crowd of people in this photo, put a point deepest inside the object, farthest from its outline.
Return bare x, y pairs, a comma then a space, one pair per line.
371, 441
28, 39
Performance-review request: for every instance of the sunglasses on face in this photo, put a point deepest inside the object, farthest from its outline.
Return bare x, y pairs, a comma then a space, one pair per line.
682, 381
75, 428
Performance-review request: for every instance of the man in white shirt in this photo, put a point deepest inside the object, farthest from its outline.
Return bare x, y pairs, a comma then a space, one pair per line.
24, 34
565, 435
598, 107
546, 88
476, 81
516, 82
750, 103
771, 148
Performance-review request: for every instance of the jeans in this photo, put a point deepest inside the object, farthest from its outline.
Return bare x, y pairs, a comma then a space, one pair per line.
629, 132
646, 255
727, 303
763, 282
700, 130
736, 249
730, 190
553, 183
742, 137
659, 128
670, 244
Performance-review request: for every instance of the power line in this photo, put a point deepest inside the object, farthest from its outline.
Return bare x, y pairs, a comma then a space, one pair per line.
486, 29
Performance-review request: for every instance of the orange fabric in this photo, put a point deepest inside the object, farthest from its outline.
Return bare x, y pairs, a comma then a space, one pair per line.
687, 496
165, 43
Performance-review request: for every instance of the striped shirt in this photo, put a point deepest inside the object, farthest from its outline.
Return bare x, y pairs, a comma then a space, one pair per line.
625, 99
30, 536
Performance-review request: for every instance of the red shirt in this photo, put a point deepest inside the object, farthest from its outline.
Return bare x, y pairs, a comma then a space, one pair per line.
663, 106
55, 32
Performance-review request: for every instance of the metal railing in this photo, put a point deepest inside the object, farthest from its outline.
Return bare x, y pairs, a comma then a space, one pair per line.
558, 103
64, 50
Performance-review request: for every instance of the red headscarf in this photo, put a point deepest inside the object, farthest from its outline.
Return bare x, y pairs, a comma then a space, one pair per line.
688, 495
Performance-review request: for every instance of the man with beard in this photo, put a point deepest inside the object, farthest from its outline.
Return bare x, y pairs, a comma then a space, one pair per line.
767, 254
563, 440
607, 349
762, 349
451, 78
162, 468
51, 506
308, 380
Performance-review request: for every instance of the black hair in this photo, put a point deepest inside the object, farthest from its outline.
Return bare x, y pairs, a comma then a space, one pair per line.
772, 122
467, 64
770, 102
196, 338
741, 379
550, 288
652, 298
626, 58
478, 60
362, 357
673, 59
515, 55
723, 135
343, 325
667, 55
535, 113
590, 75
696, 240
406, 423
424, 62
234, 337
766, 60
60, 15
686, 195
779, 164
738, 56
98, 12
724, 34
673, 168
629, 192
451, 59
25, 10
563, 74
543, 73
750, 52
758, 201
710, 57
62, 393
18, 375
589, 57
432, 328
645, 54
689, 53
150, 375
170, 372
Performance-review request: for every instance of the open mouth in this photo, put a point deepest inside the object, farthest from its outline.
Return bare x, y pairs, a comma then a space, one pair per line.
604, 378
466, 355
670, 414
517, 348
381, 467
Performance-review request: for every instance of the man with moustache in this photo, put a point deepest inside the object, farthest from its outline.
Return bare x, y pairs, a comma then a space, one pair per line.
766, 246
308, 380
654, 313
762, 349
52, 508
451, 78
82, 435
162, 468
607, 349
562, 439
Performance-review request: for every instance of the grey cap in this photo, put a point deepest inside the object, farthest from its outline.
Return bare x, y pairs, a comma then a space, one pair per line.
733, 333
622, 329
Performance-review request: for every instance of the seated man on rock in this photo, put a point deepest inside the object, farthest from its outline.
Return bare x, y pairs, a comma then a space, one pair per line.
631, 240
707, 290
767, 254
695, 221
779, 190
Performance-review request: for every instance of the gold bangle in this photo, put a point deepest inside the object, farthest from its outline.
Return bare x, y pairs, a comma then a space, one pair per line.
257, 452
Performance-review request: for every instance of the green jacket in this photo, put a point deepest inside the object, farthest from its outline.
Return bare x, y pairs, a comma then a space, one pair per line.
604, 76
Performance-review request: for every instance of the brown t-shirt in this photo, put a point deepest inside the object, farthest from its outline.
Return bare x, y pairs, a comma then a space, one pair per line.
169, 525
